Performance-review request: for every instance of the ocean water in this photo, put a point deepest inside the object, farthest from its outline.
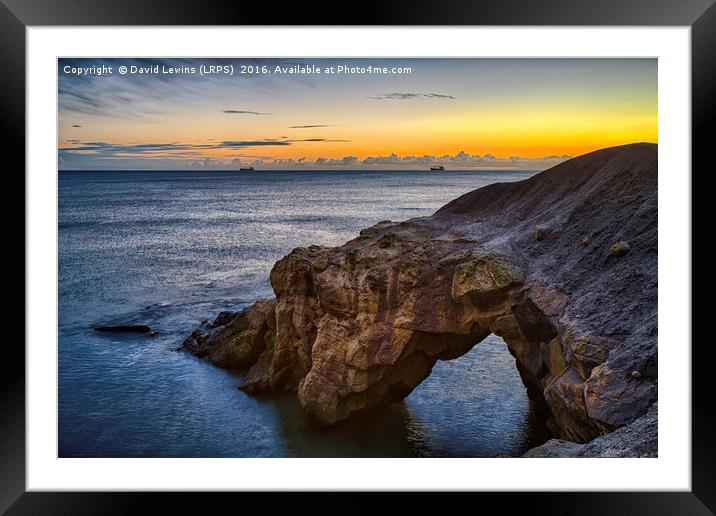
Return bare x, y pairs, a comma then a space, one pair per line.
171, 249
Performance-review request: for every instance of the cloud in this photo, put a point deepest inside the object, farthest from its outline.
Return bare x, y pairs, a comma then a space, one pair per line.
409, 96
147, 149
325, 140
102, 155
347, 160
308, 126
112, 149
174, 150
459, 161
150, 97
243, 112
252, 143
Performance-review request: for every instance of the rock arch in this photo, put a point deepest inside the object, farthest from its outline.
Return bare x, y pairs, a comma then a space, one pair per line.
361, 325
366, 325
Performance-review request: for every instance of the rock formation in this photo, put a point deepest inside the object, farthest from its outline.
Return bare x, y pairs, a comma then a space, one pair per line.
361, 325
638, 439
126, 328
237, 340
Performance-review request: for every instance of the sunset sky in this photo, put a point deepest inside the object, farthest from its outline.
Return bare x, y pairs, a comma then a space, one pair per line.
463, 113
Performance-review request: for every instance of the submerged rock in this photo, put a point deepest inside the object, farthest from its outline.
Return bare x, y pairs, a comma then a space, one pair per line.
126, 328
361, 325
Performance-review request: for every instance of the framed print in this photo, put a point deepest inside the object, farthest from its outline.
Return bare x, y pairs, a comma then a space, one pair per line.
441, 249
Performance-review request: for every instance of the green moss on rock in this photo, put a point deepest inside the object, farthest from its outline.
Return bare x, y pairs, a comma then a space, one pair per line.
484, 275
271, 342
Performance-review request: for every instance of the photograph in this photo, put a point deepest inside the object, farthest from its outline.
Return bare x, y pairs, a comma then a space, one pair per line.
422, 249
357, 257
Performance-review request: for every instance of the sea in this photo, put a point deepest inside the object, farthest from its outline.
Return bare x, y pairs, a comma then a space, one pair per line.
173, 248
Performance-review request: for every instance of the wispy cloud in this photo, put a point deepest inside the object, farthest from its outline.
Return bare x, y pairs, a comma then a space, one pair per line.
252, 143
309, 126
150, 97
116, 149
89, 154
409, 96
243, 112
326, 140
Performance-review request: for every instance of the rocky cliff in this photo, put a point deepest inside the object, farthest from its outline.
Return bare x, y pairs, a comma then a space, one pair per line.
562, 266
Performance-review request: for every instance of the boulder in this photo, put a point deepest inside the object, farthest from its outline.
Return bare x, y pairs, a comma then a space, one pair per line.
620, 248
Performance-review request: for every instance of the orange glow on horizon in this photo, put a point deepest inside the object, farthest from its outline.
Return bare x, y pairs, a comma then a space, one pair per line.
528, 108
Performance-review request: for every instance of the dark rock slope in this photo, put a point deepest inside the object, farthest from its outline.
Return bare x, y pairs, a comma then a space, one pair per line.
563, 266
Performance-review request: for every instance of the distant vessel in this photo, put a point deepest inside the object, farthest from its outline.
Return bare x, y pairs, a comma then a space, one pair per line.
437, 168
247, 169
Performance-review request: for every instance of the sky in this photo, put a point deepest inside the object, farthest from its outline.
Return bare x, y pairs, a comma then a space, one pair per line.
395, 113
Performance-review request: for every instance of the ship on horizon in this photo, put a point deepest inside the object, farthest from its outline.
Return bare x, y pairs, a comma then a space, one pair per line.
246, 169
437, 168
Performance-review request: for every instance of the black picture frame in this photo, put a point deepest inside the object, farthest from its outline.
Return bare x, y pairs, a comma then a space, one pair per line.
17, 15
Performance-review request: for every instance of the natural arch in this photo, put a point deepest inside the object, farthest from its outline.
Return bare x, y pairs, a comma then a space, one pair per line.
357, 366
361, 325
475, 405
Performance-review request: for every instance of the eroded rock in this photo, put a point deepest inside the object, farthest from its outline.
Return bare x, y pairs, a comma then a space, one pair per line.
224, 318
361, 325
484, 281
238, 342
